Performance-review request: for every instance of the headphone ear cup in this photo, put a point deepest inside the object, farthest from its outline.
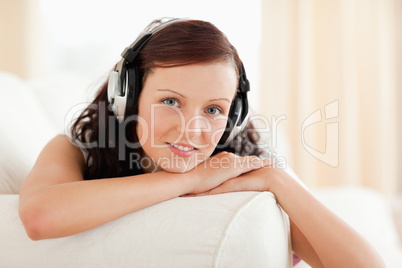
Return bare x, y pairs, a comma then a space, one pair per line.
232, 126
116, 99
113, 86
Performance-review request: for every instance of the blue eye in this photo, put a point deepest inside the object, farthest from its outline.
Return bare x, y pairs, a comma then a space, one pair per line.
171, 102
213, 110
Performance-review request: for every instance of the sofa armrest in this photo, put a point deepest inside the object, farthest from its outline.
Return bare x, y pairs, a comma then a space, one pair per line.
244, 229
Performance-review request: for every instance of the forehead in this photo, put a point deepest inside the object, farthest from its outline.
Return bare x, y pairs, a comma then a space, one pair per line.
196, 80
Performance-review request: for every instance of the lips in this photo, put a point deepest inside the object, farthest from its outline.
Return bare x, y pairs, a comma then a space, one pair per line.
181, 149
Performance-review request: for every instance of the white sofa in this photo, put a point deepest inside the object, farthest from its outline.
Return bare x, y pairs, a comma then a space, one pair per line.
245, 229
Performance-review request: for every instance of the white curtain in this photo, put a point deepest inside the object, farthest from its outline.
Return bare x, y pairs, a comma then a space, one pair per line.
330, 67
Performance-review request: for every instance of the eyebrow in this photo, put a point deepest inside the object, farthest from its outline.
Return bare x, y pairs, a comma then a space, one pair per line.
224, 99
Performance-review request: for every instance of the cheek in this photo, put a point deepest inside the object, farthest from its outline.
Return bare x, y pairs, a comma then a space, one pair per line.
143, 124
161, 122
155, 122
218, 127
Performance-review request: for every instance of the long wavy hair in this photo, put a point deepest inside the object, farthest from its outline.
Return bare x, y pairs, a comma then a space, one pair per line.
178, 44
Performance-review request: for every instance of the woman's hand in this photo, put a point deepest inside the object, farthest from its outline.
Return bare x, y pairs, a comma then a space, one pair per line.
255, 180
223, 168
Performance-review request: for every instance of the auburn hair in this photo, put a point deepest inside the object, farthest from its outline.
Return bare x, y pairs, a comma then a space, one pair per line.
177, 44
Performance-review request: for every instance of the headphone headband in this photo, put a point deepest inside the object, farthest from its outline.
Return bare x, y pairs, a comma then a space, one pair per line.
131, 52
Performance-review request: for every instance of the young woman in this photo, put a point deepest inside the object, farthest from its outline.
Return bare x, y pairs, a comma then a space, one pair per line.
171, 121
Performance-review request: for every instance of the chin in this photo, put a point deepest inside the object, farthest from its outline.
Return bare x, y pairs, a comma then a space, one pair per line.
177, 169
178, 166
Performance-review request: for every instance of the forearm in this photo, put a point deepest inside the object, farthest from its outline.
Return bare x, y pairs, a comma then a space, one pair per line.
335, 242
69, 208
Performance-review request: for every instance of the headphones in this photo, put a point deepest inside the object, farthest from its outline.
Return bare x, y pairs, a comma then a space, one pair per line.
124, 86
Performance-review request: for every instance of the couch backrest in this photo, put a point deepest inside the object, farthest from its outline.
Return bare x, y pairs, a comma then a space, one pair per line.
24, 130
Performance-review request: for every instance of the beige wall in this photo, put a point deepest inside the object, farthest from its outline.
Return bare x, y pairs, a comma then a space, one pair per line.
398, 99
20, 34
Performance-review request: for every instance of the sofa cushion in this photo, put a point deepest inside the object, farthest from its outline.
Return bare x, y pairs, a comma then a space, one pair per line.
243, 229
24, 131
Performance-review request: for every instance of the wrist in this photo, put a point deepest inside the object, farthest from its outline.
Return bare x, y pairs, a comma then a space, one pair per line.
189, 182
179, 183
275, 179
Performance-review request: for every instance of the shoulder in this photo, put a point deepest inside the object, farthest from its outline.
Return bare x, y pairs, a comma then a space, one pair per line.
61, 147
59, 162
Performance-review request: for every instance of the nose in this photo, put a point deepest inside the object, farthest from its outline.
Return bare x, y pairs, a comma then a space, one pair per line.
194, 126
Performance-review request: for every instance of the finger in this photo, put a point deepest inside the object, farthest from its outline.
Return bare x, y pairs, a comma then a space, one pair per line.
243, 164
255, 162
267, 162
245, 182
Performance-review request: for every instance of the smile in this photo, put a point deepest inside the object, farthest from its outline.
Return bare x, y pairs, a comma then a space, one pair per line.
183, 148
180, 150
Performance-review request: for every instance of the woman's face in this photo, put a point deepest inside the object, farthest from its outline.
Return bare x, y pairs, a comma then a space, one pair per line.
183, 114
